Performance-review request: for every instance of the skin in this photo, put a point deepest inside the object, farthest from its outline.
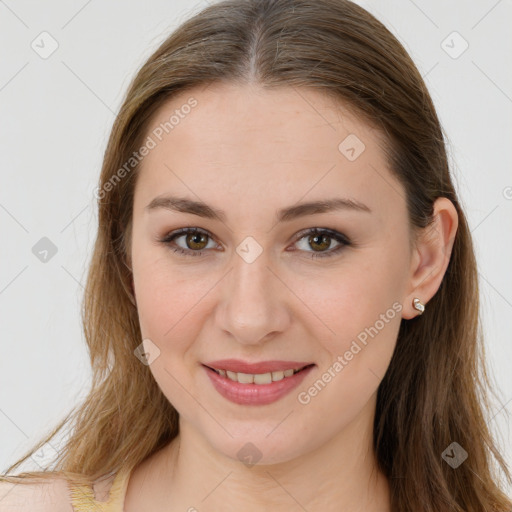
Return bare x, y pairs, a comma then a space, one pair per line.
251, 152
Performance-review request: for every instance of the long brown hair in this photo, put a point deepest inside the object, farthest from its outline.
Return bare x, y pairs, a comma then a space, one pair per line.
436, 390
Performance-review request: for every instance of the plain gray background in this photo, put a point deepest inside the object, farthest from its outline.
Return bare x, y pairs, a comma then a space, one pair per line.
56, 113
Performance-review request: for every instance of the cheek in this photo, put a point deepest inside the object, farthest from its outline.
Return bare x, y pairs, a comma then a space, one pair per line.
168, 306
360, 315
355, 359
171, 302
352, 298
161, 294
163, 303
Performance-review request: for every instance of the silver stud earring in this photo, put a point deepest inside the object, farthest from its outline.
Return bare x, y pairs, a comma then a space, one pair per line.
418, 305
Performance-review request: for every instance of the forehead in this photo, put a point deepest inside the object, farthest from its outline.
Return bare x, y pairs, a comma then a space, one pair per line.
244, 140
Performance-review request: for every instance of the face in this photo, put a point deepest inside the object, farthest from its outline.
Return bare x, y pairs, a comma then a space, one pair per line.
313, 286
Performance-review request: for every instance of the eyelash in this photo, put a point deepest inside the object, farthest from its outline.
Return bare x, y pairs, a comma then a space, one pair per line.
339, 237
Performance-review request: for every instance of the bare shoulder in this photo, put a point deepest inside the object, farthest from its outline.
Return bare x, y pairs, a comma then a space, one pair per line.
38, 496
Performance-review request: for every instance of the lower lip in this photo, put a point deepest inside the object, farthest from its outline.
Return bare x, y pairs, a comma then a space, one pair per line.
255, 394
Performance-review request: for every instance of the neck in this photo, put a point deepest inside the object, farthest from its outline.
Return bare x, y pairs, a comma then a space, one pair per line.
342, 474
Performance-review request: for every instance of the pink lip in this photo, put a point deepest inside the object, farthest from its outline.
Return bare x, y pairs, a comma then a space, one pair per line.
255, 394
238, 366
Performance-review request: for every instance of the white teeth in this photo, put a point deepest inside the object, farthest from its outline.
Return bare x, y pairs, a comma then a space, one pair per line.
245, 378
259, 378
263, 378
277, 376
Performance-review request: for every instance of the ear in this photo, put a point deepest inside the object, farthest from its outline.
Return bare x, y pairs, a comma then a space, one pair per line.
431, 255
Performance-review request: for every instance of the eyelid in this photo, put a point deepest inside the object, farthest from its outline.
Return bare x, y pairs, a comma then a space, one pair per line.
331, 232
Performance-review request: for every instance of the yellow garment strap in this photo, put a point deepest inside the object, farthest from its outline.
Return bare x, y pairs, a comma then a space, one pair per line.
82, 496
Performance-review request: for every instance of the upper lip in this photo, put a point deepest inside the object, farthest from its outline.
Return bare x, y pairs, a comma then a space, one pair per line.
239, 366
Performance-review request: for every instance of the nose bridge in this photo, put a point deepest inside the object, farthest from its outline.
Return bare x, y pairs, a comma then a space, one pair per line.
250, 279
252, 305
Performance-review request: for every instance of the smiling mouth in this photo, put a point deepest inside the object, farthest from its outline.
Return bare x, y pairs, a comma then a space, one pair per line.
258, 378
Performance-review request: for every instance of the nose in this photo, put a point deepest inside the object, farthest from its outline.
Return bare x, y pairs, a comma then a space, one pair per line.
255, 303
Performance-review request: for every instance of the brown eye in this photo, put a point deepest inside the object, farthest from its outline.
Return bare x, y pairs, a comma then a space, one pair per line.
195, 240
320, 241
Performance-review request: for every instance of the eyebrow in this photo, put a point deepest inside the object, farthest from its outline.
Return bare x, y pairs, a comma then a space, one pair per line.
185, 205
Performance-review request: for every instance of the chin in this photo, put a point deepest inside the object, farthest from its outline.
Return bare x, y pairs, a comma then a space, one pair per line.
260, 449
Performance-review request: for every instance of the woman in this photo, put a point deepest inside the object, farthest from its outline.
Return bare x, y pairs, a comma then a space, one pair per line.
282, 304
